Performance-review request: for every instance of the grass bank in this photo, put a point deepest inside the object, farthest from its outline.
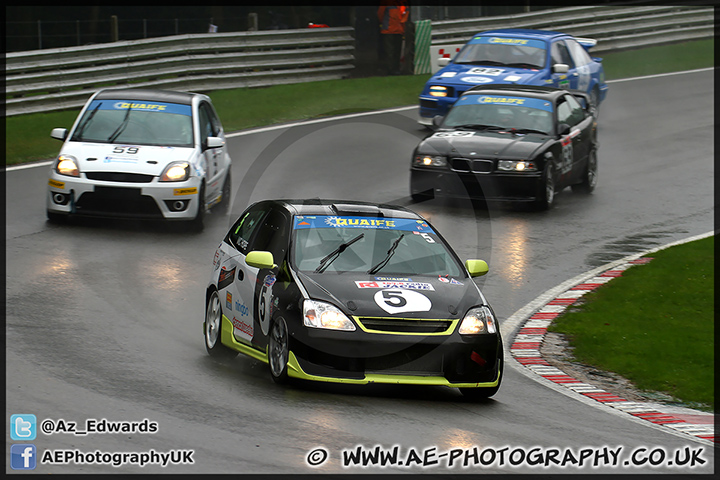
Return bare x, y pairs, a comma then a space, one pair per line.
28, 136
654, 325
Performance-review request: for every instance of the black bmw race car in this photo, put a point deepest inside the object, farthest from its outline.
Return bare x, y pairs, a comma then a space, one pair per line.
351, 292
509, 143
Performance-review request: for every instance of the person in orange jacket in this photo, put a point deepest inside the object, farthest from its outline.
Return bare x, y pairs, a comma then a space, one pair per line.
392, 15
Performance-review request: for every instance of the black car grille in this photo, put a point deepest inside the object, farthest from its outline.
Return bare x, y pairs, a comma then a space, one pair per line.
117, 202
119, 177
469, 165
407, 326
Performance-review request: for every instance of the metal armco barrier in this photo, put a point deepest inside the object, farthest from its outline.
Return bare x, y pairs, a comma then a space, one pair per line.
55, 79
61, 78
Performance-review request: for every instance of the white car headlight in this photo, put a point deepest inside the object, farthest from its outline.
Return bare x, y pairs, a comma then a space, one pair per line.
517, 166
478, 320
430, 160
67, 165
324, 315
176, 172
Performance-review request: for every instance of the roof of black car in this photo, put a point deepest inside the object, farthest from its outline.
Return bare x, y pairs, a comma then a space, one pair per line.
316, 206
147, 95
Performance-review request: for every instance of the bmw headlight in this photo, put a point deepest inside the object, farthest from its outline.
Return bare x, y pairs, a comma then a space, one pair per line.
517, 166
67, 165
176, 172
324, 315
430, 161
477, 321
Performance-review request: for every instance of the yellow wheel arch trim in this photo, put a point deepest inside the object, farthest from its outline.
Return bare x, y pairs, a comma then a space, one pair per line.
296, 371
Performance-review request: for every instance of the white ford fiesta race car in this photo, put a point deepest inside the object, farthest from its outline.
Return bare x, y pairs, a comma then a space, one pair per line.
141, 153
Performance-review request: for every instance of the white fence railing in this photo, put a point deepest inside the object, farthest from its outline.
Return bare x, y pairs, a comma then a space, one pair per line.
54, 79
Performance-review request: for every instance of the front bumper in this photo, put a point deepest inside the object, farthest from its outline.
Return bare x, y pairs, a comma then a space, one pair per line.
361, 357
432, 106
513, 187
159, 200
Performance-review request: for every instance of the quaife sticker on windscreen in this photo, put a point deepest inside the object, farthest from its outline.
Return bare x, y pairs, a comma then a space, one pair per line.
329, 221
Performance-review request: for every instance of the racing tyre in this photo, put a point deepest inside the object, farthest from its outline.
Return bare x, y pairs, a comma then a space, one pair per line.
213, 329
546, 191
595, 101
589, 177
226, 195
57, 218
197, 223
278, 351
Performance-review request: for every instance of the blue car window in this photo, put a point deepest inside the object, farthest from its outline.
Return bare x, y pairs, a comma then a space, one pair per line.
561, 54
578, 53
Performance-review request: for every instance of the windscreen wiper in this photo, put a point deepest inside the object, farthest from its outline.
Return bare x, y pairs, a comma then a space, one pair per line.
329, 258
390, 253
120, 127
81, 129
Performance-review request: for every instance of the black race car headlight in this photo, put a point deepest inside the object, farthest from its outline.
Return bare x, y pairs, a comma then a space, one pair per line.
477, 321
318, 314
439, 161
517, 166
176, 172
67, 165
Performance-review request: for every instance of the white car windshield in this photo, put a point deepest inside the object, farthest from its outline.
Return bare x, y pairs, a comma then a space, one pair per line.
136, 122
382, 246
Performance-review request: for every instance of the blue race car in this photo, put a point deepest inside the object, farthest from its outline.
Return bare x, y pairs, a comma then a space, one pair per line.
515, 56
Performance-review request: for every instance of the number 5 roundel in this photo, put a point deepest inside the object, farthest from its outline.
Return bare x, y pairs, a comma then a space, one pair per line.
400, 300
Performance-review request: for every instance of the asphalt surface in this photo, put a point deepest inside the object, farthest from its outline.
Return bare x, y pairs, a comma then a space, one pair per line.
103, 319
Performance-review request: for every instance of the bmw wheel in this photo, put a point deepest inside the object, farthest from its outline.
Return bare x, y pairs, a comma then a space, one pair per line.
589, 179
279, 350
213, 329
546, 191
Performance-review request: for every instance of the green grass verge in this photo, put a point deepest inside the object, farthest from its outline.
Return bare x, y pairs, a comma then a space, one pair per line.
28, 136
654, 325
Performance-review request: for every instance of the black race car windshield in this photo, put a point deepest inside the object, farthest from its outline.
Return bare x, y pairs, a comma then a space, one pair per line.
136, 123
480, 112
372, 245
503, 52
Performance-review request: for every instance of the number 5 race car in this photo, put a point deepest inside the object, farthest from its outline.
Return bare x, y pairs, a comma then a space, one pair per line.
351, 292
143, 154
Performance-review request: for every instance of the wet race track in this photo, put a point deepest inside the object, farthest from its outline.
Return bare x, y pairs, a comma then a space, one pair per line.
104, 319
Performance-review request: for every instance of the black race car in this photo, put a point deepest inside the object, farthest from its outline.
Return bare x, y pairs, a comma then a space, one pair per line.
351, 292
509, 143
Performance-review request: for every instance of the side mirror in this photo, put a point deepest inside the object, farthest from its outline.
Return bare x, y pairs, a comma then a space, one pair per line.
59, 133
563, 129
476, 268
260, 259
436, 121
560, 68
215, 142
443, 61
